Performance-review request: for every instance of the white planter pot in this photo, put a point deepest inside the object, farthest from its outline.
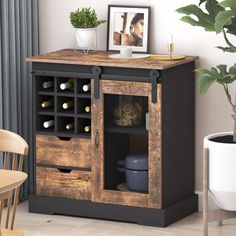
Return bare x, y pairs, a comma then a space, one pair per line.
222, 171
85, 39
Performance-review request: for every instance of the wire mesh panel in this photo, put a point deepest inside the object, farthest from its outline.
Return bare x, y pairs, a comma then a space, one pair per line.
125, 134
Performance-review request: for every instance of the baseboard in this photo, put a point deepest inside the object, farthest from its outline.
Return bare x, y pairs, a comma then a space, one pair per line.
140, 215
211, 203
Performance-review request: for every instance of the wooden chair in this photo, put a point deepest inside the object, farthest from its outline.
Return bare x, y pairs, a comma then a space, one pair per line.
14, 149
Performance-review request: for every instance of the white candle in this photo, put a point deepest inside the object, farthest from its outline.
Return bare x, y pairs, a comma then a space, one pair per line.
170, 39
126, 52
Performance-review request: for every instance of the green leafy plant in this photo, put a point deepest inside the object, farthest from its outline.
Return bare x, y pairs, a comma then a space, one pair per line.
85, 18
219, 17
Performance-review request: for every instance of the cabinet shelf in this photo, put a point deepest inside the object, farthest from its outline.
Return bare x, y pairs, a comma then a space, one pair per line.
84, 135
64, 134
66, 114
123, 187
84, 95
64, 94
127, 130
71, 134
48, 92
49, 113
69, 112
84, 115
46, 132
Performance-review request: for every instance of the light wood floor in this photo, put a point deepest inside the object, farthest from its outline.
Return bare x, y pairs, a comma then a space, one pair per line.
38, 224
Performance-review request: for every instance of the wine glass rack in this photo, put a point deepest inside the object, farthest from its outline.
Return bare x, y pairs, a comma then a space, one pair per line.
63, 112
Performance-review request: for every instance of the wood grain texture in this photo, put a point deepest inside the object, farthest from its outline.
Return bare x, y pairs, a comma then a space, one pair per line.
99, 194
155, 151
124, 198
97, 136
125, 88
74, 153
69, 56
54, 183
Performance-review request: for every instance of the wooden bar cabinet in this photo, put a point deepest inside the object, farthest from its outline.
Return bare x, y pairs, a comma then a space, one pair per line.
129, 107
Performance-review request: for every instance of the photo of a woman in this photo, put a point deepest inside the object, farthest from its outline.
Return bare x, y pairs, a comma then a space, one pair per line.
135, 35
128, 26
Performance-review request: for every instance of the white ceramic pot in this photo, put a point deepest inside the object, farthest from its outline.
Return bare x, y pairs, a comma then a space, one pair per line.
86, 38
222, 171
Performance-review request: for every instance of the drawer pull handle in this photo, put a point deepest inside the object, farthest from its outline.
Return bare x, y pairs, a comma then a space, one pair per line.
65, 138
62, 170
96, 140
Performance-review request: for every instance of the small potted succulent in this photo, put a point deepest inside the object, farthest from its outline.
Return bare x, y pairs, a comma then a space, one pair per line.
85, 22
219, 17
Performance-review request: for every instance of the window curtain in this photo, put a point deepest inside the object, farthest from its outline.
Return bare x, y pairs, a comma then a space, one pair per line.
18, 40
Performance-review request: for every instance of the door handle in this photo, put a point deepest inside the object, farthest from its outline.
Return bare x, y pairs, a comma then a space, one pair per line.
96, 140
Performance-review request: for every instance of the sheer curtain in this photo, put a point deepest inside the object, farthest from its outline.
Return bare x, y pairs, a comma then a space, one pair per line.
18, 39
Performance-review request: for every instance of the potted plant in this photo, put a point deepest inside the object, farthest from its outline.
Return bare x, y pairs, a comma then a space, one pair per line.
85, 22
219, 17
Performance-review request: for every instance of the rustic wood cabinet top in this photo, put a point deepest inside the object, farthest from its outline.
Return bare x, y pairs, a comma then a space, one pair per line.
100, 58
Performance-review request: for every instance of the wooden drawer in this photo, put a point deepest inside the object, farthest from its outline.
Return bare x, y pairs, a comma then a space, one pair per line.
51, 150
55, 182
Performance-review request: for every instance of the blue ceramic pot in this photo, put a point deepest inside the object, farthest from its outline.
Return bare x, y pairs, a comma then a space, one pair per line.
135, 167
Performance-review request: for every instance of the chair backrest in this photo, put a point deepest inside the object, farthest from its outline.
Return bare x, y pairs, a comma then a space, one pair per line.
13, 146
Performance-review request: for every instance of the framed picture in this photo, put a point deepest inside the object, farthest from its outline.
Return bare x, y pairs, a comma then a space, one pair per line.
128, 26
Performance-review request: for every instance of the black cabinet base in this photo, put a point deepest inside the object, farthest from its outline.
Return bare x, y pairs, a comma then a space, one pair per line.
143, 216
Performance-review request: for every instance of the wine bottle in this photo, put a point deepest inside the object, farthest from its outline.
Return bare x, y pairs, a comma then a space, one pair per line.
87, 109
86, 87
69, 126
47, 124
67, 85
68, 105
47, 104
87, 128
48, 84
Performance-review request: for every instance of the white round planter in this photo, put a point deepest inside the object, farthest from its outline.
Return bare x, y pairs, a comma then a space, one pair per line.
222, 171
86, 38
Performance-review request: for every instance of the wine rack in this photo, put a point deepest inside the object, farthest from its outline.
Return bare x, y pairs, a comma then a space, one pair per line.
63, 101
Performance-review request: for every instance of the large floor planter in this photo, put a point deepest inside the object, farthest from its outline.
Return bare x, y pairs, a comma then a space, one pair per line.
222, 169
86, 39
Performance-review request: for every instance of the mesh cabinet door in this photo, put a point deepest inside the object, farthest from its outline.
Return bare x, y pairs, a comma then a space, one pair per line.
126, 133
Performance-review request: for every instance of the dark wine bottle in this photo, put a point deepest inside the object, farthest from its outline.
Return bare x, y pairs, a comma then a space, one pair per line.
68, 105
48, 84
87, 109
87, 128
70, 126
47, 104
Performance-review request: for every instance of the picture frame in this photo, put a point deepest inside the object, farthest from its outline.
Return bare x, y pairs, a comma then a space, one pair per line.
128, 26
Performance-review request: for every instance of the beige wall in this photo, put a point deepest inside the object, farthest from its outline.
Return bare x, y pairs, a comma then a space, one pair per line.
212, 109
